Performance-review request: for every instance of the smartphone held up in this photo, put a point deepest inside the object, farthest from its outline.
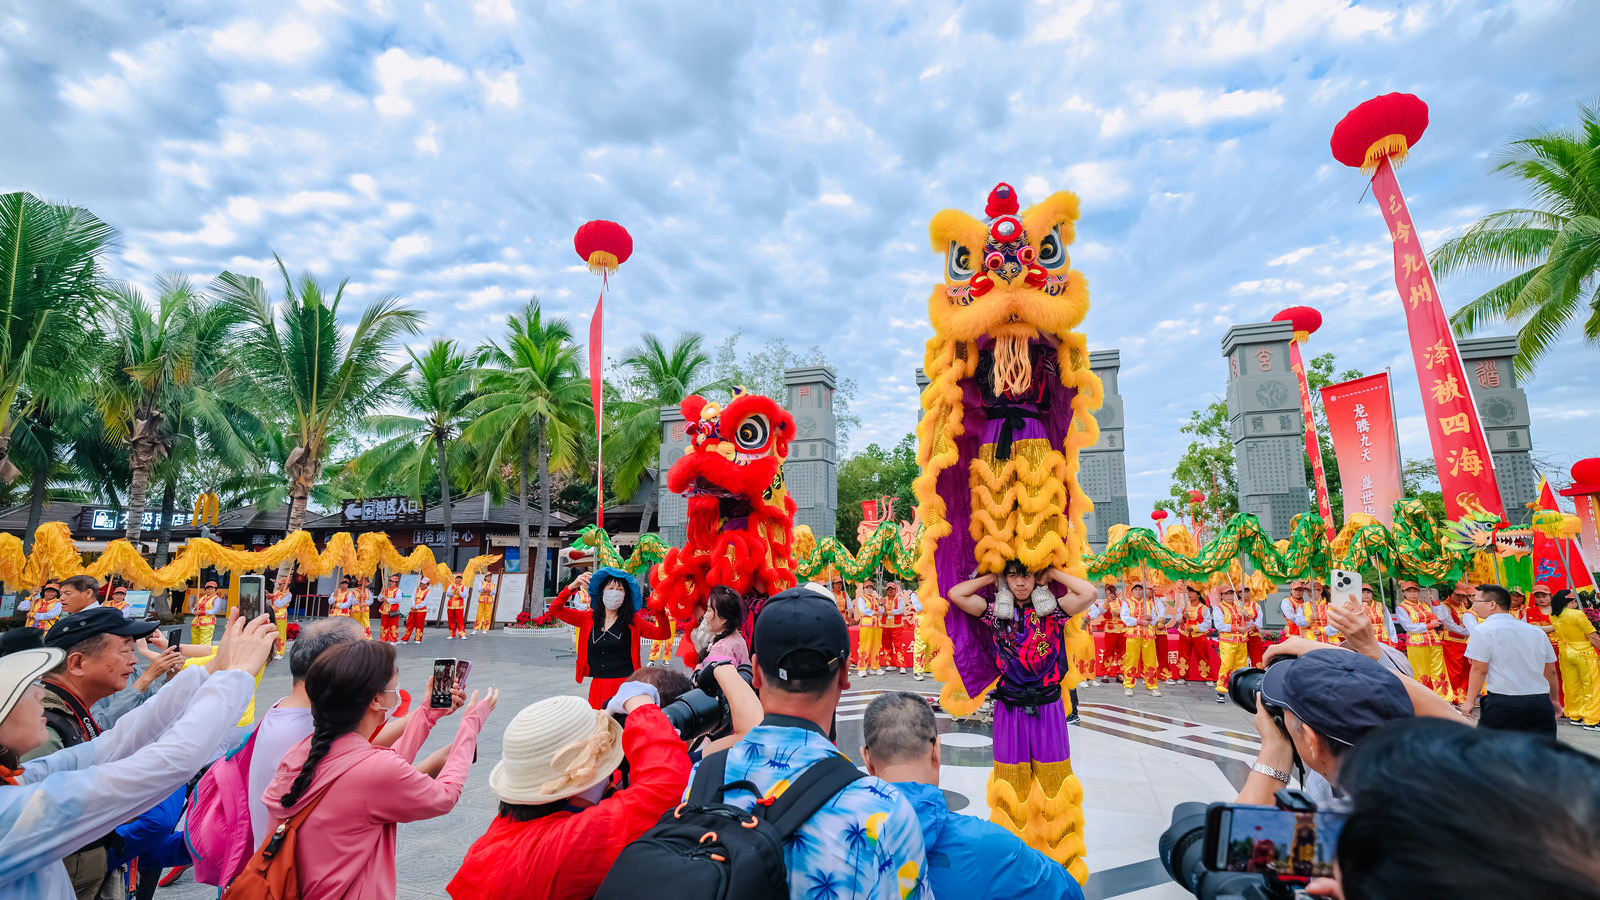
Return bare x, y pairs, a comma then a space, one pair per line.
448, 675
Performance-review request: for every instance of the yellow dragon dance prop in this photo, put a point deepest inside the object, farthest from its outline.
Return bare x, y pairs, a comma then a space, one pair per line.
55, 556
1005, 414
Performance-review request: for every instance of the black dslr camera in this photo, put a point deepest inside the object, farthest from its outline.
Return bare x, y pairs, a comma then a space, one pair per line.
703, 711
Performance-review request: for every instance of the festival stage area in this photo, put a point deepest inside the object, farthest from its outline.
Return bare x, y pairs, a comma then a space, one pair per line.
1137, 757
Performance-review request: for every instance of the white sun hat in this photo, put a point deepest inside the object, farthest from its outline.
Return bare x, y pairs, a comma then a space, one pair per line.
19, 670
554, 749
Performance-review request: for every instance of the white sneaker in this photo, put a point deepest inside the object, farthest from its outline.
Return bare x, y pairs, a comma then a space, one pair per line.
1127, 692
861, 673
1154, 692
877, 671
917, 675
902, 670
1222, 698
280, 656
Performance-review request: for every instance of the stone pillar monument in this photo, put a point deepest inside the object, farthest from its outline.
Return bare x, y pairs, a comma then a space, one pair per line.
1267, 427
1102, 471
1503, 409
672, 510
812, 472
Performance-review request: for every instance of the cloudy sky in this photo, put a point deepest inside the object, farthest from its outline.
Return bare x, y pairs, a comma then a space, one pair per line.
778, 168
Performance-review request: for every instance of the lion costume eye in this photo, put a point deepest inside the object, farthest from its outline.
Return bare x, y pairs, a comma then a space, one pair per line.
958, 263
753, 433
1052, 253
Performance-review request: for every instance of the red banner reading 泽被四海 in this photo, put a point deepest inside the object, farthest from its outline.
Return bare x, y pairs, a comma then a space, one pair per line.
1466, 473
1361, 426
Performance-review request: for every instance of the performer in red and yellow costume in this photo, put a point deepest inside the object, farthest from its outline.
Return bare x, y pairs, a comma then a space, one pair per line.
361, 604
740, 532
1295, 623
207, 607
455, 609
279, 600
1233, 638
896, 629
44, 608
1378, 615
417, 618
1421, 626
340, 601
484, 618
1194, 642
118, 598
1139, 615
869, 608
1006, 412
1250, 607
389, 611
1451, 613
1107, 615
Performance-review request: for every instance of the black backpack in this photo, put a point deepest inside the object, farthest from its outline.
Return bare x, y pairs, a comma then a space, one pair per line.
708, 850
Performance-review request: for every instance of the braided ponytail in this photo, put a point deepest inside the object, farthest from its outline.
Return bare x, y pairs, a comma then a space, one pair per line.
341, 684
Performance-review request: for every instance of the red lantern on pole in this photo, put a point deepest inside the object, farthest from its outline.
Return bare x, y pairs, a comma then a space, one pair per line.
603, 246
1159, 515
1197, 514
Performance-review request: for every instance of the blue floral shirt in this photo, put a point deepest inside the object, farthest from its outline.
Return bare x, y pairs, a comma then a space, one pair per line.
864, 843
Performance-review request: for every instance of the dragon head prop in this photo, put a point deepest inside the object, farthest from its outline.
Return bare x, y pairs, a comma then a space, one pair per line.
741, 518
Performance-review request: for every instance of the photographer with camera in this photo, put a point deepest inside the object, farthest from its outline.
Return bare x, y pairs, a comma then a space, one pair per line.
560, 826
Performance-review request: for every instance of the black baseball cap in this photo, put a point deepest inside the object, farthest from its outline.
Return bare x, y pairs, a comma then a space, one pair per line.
1337, 693
100, 620
800, 619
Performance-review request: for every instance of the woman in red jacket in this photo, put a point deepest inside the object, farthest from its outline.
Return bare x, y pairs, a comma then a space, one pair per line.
610, 630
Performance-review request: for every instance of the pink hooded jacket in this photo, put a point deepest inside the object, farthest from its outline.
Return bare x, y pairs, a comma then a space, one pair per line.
347, 846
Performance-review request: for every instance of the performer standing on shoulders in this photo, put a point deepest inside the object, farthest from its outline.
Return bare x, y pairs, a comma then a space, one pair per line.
417, 619
389, 611
1138, 616
1233, 637
455, 608
1421, 626
870, 608
279, 601
206, 609
1451, 613
485, 612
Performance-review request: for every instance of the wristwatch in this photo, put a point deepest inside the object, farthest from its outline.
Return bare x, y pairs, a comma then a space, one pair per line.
1270, 772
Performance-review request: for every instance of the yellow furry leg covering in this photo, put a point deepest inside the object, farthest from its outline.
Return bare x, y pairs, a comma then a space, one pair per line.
1050, 819
1018, 506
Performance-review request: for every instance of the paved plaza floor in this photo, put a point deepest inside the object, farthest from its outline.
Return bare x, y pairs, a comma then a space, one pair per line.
1137, 757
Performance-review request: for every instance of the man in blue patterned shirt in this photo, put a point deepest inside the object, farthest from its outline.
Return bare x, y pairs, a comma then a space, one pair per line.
864, 843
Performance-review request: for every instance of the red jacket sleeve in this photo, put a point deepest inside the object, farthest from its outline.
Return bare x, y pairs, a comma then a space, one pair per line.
649, 626
659, 766
576, 617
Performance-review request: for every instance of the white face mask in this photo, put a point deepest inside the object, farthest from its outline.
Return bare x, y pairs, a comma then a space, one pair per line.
612, 598
388, 711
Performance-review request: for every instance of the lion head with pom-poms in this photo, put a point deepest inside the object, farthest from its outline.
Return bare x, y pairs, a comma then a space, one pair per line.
1005, 368
741, 518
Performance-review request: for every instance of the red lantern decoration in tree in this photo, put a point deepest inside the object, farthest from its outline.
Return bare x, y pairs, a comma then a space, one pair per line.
1159, 514
1196, 498
1387, 126
603, 245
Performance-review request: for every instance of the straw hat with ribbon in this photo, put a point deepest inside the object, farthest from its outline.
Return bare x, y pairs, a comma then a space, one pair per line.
554, 749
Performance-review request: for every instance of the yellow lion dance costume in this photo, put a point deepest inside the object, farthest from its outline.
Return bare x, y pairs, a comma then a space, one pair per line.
1006, 413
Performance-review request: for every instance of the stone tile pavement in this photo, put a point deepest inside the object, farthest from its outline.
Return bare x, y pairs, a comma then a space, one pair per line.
1137, 757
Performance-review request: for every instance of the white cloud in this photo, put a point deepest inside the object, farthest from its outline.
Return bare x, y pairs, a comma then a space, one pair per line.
287, 42
397, 71
500, 90
494, 12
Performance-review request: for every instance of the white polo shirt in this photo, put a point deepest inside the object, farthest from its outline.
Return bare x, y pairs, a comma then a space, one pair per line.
1516, 653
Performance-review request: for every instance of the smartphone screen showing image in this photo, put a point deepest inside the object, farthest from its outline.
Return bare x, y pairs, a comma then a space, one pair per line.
1295, 846
444, 678
462, 668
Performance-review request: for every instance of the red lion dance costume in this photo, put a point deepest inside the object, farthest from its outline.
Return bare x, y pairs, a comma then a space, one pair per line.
741, 517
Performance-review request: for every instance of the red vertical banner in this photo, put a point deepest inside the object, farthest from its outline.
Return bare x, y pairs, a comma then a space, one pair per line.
596, 382
1313, 446
1466, 471
1361, 426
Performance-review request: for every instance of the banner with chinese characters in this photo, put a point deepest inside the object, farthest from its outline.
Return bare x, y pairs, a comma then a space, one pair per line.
1460, 450
1313, 446
1361, 426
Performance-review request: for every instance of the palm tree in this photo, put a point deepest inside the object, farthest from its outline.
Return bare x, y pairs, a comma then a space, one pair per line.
436, 393
656, 376
50, 280
533, 403
1556, 244
165, 376
310, 378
